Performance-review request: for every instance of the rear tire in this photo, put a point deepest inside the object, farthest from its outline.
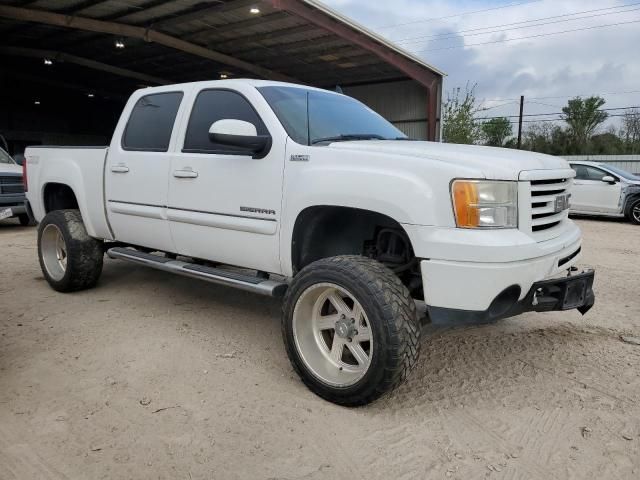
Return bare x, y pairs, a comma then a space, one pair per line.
372, 345
633, 212
70, 259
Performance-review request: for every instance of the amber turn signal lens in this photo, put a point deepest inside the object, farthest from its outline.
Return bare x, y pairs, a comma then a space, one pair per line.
465, 201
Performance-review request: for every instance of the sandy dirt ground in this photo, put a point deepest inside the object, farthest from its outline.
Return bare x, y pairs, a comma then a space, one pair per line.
151, 376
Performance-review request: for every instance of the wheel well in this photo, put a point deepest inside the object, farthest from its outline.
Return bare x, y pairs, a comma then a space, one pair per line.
327, 231
58, 196
630, 200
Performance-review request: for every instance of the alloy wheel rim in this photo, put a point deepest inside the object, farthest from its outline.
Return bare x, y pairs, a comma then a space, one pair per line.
54, 252
636, 212
332, 334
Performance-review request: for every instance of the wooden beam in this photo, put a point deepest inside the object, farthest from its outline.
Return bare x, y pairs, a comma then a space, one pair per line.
84, 62
124, 30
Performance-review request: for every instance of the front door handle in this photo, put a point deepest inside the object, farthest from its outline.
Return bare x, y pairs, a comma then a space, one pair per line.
120, 168
185, 174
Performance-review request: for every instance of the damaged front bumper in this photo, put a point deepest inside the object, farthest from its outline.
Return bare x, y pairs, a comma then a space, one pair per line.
575, 291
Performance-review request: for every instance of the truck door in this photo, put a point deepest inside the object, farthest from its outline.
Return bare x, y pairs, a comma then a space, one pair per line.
224, 205
591, 194
138, 168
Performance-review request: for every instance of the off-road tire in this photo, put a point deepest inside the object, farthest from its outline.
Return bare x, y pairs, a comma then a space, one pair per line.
24, 220
629, 213
392, 316
84, 253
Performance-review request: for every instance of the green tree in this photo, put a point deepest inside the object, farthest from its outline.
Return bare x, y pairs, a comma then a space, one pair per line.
458, 112
496, 131
607, 143
583, 116
630, 131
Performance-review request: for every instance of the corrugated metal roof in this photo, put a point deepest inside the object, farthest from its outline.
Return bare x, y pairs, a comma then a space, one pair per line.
275, 39
366, 31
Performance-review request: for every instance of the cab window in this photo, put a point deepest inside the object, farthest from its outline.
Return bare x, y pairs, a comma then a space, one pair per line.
211, 106
151, 122
586, 172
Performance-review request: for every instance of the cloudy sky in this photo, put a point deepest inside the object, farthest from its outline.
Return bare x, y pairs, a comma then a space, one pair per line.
484, 42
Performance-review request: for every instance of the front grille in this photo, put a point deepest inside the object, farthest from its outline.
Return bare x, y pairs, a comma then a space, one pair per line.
544, 197
11, 185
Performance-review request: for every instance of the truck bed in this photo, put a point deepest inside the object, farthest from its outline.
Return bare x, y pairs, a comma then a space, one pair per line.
82, 169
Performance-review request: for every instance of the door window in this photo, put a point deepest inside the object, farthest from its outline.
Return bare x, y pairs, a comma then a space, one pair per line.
585, 172
151, 122
211, 106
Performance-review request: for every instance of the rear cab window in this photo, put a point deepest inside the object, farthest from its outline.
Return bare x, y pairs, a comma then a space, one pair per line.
151, 122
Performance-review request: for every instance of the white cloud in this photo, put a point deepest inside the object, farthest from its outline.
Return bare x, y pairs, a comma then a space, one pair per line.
595, 61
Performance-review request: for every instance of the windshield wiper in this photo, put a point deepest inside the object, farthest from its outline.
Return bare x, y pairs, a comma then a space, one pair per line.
345, 138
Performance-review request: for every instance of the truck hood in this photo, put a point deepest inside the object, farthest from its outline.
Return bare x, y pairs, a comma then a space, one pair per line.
10, 168
487, 162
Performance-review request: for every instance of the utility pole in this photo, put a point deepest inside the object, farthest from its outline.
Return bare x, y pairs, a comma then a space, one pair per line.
520, 122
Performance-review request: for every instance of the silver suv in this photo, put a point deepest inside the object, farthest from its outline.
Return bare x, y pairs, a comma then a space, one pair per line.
11, 190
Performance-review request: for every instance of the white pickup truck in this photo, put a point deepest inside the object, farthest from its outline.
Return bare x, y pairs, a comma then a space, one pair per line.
281, 189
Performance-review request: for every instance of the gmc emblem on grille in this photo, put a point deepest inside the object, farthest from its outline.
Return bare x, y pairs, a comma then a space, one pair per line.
561, 203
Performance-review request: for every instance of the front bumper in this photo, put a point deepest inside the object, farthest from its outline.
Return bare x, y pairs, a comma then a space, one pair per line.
473, 285
575, 291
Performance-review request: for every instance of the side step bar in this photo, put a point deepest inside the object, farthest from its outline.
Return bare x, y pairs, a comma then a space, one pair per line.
249, 283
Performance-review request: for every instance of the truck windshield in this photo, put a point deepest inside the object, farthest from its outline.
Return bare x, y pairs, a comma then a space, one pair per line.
6, 158
314, 117
622, 173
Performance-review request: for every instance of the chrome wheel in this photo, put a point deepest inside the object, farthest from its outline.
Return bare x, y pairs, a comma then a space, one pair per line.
636, 212
332, 334
54, 251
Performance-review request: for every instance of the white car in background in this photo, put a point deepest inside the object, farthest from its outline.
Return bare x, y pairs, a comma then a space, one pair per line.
601, 189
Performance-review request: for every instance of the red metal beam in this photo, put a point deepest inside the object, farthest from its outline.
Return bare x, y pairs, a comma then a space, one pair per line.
318, 18
419, 73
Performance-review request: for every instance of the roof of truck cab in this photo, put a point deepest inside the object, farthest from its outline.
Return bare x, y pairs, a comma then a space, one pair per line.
230, 83
587, 162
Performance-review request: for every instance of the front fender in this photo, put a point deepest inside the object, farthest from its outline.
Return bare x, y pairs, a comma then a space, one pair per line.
630, 194
400, 195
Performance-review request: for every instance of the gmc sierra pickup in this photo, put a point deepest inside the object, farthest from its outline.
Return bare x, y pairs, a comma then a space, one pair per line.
293, 191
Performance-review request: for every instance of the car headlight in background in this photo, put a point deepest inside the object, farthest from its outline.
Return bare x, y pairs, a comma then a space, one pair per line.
485, 203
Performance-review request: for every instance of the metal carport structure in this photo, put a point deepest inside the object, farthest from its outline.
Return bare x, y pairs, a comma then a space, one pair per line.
82, 58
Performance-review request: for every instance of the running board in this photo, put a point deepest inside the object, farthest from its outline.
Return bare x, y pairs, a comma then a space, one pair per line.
249, 283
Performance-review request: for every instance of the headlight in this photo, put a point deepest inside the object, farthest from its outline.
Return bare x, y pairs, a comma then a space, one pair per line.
485, 203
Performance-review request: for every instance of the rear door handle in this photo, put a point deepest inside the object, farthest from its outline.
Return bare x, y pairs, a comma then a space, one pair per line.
120, 168
185, 174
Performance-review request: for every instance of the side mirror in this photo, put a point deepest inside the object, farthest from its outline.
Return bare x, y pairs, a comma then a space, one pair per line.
609, 179
238, 133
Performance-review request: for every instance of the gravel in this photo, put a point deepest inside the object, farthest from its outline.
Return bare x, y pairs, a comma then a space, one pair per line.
155, 376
